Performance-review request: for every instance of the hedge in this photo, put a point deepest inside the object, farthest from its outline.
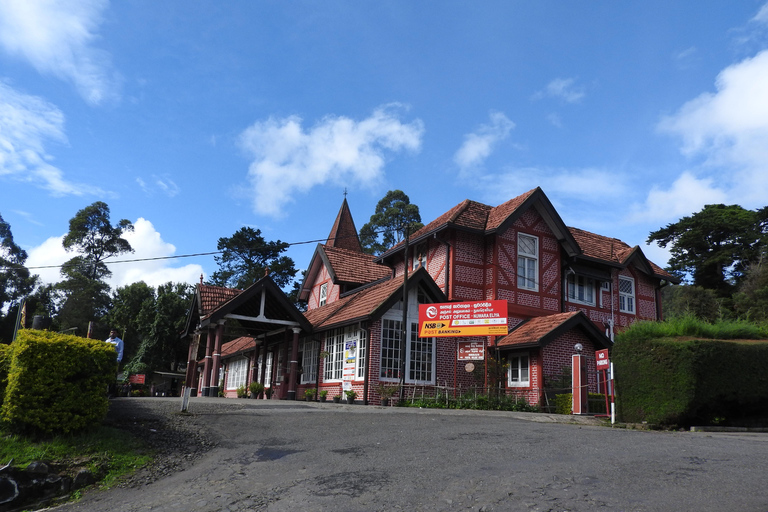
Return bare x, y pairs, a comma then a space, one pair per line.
57, 383
679, 382
5, 363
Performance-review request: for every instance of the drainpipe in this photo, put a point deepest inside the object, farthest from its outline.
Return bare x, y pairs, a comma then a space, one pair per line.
404, 327
367, 367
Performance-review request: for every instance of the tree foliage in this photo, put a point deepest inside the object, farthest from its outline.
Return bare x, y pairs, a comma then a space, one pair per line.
16, 282
387, 226
714, 246
246, 257
125, 315
94, 237
160, 321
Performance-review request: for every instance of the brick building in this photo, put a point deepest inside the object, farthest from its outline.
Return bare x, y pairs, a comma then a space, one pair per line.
562, 286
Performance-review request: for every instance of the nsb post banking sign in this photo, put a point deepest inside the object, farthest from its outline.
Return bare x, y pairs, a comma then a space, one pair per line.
479, 318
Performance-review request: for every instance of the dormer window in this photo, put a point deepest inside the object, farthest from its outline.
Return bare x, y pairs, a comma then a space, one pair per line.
527, 262
323, 294
626, 294
581, 289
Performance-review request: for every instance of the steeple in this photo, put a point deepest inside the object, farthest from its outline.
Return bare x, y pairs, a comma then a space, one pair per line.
343, 234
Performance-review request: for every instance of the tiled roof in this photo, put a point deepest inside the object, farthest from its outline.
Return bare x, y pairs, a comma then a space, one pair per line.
235, 346
343, 233
532, 332
211, 297
355, 306
355, 267
500, 213
611, 250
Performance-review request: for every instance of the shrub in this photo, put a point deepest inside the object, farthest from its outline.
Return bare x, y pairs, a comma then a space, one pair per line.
5, 364
256, 389
57, 383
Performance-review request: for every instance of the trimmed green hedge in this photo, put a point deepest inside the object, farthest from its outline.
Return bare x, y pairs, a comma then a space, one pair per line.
5, 363
595, 403
679, 382
57, 383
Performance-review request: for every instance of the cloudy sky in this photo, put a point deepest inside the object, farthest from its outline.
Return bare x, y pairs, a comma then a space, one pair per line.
193, 119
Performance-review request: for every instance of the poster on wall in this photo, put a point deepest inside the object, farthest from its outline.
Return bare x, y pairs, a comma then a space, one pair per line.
471, 351
348, 371
479, 318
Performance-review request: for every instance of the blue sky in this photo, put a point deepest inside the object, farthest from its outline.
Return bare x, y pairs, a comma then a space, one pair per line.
193, 119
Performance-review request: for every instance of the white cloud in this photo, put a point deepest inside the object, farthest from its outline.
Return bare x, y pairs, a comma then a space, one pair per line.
27, 124
146, 242
477, 146
728, 129
289, 161
162, 183
562, 88
762, 15
688, 194
56, 38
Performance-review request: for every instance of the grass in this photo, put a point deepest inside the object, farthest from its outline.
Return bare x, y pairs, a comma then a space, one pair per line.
689, 326
108, 452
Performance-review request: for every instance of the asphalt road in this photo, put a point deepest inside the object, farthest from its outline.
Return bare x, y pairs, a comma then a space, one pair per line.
295, 456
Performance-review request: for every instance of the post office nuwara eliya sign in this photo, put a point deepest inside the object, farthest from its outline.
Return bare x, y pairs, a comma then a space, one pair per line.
479, 318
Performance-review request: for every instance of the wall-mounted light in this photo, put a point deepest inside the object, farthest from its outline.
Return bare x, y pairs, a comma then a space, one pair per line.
578, 347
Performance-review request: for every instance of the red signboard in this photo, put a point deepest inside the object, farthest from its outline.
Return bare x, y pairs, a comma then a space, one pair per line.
471, 351
603, 363
136, 379
480, 318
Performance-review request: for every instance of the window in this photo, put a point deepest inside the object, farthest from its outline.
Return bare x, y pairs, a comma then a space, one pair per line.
420, 354
238, 371
626, 294
581, 289
323, 294
519, 371
334, 363
267, 371
527, 262
390, 349
362, 354
309, 361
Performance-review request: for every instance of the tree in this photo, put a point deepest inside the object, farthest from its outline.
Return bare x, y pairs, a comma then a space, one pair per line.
714, 246
161, 320
685, 300
128, 302
386, 227
246, 257
16, 282
93, 236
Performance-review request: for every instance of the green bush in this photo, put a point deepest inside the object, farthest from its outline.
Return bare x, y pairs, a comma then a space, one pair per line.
57, 383
682, 381
5, 364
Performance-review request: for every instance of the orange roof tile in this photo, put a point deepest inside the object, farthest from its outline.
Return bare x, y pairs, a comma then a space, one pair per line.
500, 213
352, 307
534, 330
235, 346
355, 267
211, 297
343, 233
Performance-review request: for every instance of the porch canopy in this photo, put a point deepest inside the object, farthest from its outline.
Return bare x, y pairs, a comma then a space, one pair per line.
262, 311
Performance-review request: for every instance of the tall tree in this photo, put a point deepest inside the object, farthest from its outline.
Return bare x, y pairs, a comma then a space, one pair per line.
714, 246
387, 226
94, 237
16, 282
246, 257
161, 321
125, 315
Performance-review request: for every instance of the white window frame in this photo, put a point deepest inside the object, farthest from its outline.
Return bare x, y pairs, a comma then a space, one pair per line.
526, 260
362, 354
420, 355
268, 372
334, 363
517, 367
580, 289
323, 294
237, 372
309, 361
627, 298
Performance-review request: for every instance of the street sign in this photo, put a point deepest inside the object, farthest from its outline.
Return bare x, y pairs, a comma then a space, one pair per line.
471, 351
602, 360
479, 318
